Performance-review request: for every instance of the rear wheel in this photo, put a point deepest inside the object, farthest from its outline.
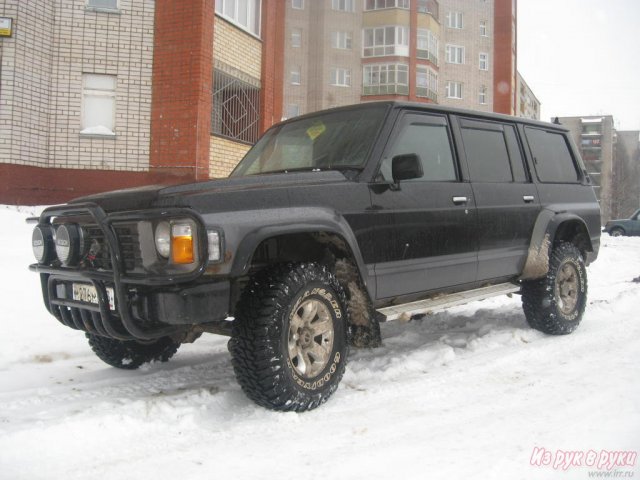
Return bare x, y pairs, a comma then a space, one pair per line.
130, 354
616, 232
289, 345
555, 304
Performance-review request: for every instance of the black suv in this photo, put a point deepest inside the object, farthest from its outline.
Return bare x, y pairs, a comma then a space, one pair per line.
332, 223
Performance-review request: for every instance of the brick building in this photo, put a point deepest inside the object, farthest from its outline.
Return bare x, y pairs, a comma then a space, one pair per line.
104, 94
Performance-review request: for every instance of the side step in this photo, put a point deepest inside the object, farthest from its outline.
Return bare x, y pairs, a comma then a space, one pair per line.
405, 311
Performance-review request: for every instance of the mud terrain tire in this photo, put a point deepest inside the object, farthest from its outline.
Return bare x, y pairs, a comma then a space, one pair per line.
289, 343
555, 304
130, 355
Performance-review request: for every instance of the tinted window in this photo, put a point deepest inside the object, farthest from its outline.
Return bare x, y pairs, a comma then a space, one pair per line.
515, 154
431, 143
551, 156
487, 155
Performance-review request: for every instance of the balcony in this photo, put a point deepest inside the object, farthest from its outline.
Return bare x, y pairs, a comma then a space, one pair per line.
427, 55
430, 7
393, 89
427, 93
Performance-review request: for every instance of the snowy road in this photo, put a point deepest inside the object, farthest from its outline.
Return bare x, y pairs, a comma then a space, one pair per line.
469, 393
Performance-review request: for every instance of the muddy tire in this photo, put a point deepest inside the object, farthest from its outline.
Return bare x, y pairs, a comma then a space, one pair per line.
555, 304
129, 355
289, 343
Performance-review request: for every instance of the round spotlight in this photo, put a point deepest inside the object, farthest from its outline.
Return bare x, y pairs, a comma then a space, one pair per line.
163, 239
42, 243
68, 243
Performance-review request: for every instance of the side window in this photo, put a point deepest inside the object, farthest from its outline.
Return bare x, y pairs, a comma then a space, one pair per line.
515, 154
487, 155
551, 156
427, 137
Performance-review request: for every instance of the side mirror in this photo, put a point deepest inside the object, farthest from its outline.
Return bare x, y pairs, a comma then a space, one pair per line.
406, 167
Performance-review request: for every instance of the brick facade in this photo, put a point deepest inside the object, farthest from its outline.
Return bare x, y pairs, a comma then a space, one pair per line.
224, 156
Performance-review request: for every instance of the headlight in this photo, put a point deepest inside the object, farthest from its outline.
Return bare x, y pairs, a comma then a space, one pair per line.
163, 239
42, 243
68, 243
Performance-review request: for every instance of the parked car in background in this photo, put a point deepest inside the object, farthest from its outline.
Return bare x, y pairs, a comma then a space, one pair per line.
626, 226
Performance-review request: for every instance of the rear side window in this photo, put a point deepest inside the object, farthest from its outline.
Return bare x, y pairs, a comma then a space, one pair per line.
551, 156
487, 155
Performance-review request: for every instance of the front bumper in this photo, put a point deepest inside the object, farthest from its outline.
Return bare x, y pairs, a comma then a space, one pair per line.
146, 307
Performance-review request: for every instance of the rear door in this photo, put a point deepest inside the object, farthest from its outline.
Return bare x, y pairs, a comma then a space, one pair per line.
506, 200
427, 228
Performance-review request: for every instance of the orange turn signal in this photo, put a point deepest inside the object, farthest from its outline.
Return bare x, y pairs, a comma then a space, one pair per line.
181, 244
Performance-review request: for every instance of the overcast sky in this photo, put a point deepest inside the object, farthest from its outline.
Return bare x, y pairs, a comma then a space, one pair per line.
582, 57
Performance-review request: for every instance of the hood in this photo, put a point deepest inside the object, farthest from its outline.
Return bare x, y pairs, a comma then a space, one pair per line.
199, 195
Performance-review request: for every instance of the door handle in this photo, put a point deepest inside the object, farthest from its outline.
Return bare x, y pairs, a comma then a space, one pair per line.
528, 198
460, 200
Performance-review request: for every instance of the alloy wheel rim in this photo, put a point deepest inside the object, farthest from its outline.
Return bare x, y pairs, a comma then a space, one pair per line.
567, 288
310, 339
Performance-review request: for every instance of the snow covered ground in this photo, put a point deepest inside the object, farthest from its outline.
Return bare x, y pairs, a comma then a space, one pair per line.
470, 393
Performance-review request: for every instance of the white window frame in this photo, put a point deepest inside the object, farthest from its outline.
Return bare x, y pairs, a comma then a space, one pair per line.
454, 90
252, 16
290, 110
295, 75
428, 41
482, 95
370, 5
455, 20
341, 40
483, 61
343, 5
398, 48
454, 54
101, 93
296, 37
385, 69
340, 77
297, 4
484, 28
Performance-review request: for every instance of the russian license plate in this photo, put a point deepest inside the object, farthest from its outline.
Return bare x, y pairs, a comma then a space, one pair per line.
88, 294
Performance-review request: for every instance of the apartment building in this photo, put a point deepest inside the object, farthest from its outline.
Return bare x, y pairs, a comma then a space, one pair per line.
527, 104
103, 94
453, 52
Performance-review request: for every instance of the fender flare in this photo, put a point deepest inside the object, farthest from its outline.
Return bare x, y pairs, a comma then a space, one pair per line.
542, 239
269, 223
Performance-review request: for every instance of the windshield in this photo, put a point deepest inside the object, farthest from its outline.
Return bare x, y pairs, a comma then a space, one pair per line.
333, 140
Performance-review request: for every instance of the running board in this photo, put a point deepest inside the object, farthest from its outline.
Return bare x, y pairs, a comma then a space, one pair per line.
405, 311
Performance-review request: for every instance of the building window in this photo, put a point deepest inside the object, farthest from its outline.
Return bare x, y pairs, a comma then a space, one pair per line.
428, 6
297, 4
454, 54
295, 75
106, 4
383, 41
454, 90
426, 83
482, 95
296, 37
483, 29
243, 13
98, 104
341, 40
484, 61
427, 45
293, 110
454, 20
343, 5
341, 77
236, 104
386, 79
381, 4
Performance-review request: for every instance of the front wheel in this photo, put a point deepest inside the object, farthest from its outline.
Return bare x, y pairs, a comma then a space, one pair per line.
616, 232
129, 354
555, 304
289, 343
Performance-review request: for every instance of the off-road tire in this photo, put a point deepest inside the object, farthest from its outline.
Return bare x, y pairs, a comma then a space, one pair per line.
616, 232
542, 300
130, 354
272, 306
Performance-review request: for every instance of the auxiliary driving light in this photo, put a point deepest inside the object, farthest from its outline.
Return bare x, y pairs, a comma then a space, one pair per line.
68, 243
42, 243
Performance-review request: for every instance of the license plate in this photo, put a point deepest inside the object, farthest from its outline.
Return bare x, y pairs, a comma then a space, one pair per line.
88, 294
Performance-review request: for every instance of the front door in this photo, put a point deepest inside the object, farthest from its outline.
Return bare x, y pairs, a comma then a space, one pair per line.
427, 226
